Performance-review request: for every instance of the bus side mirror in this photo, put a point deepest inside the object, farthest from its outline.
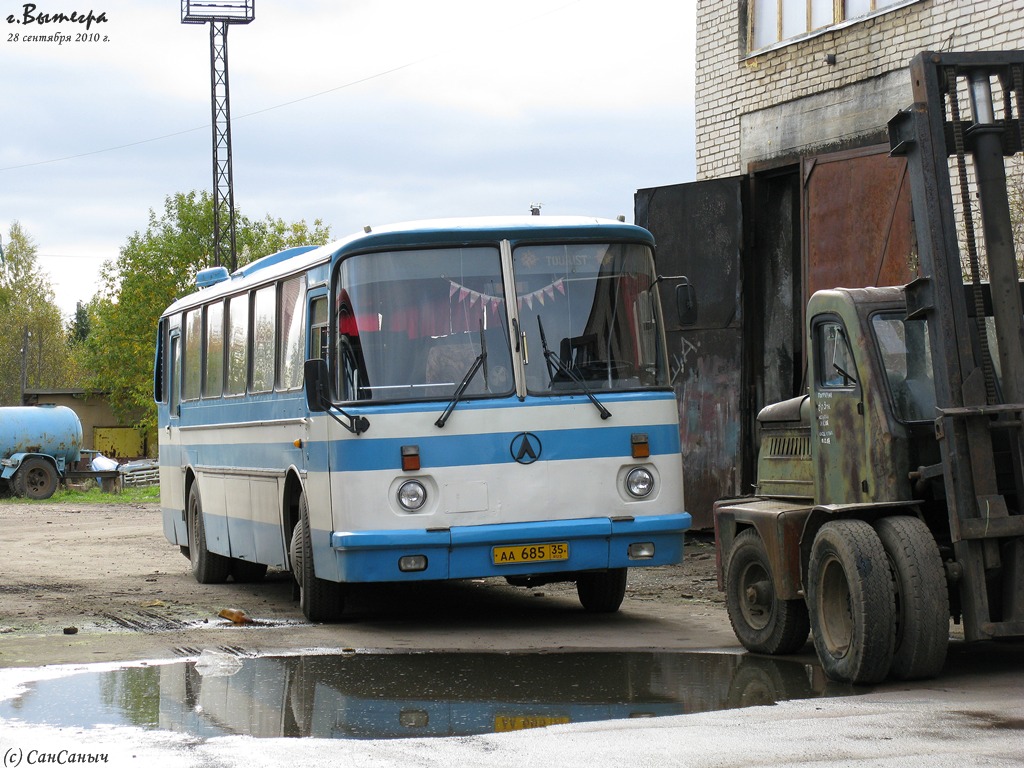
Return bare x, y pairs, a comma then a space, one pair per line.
686, 303
318, 395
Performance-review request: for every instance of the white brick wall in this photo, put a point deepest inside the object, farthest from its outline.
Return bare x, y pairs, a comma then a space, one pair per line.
730, 84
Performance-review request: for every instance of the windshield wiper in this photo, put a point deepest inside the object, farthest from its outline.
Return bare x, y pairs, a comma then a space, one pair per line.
459, 390
554, 360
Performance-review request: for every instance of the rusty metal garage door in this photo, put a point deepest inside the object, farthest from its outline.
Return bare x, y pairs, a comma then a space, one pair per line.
857, 220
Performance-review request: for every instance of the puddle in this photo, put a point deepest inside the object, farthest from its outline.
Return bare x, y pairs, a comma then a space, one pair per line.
403, 695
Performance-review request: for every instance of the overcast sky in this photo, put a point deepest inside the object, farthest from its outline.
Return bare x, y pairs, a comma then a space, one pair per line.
352, 111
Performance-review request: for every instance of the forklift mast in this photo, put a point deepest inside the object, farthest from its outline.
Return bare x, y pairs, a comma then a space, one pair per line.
965, 121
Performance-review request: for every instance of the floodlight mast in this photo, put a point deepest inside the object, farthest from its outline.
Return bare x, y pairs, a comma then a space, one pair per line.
219, 15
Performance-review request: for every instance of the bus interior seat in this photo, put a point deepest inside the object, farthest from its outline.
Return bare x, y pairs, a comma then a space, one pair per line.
578, 350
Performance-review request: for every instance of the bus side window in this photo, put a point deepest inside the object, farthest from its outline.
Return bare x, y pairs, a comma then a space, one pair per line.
174, 375
318, 328
264, 322
193, 374
238, 344
292, 344
213, 381
160, 364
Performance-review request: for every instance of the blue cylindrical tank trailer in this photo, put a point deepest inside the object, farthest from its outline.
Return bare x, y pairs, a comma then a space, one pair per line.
36, 445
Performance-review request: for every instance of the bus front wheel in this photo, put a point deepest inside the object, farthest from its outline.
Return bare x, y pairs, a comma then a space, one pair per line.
602, 591
320, 600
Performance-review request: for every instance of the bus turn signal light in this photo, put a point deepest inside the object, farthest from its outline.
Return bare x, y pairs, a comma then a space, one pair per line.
641, 449
410, 458
412, 563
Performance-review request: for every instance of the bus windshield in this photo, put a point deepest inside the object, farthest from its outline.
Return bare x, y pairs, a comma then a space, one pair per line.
414, 324
589, 316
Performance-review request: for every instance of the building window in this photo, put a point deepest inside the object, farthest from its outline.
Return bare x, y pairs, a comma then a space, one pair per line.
776, 21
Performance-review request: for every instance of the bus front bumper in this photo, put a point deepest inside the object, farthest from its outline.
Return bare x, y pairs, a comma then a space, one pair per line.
510, 549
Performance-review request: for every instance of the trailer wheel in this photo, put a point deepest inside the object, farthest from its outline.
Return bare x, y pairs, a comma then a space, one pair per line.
207, 567
36, 478
851, 602
922, 601
320, 600
761, 621
602, 591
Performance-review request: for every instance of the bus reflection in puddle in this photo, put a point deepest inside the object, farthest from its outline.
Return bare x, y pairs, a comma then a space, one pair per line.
403, 695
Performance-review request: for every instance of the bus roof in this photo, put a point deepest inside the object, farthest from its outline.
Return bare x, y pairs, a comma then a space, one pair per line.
426, 233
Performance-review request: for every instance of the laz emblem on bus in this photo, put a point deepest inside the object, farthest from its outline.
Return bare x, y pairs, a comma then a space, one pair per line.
525, 448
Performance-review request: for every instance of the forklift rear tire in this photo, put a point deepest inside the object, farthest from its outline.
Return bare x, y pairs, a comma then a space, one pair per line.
851, 602
761, 621
922, 600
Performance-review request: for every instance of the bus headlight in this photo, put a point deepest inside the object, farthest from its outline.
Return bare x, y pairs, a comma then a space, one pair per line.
412, 495
639, 482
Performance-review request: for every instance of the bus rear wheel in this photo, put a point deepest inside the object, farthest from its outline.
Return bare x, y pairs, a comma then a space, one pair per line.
320, 600
207, 567
602, 591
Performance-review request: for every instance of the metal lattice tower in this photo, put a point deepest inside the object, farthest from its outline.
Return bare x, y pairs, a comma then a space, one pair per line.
220, 15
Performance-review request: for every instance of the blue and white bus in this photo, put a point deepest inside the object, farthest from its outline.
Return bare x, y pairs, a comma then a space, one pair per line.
437, 400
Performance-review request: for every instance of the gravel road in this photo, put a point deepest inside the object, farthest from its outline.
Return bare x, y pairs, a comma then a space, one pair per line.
88, 582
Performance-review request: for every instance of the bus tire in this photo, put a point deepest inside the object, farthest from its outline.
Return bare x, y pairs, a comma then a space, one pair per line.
762, 622
36, 479
207, 567
602, 591
851, 604
922, 600
320, 600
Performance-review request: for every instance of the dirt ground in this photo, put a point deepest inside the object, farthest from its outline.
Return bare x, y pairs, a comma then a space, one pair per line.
89, 582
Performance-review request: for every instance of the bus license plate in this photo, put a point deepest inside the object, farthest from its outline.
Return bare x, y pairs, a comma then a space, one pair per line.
531, 553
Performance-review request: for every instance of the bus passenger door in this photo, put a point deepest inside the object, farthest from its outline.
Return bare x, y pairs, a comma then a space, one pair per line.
171, 470
316, 455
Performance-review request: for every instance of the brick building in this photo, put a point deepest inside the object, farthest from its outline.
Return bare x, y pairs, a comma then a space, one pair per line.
761, 99
795, 191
